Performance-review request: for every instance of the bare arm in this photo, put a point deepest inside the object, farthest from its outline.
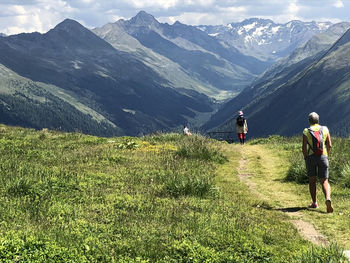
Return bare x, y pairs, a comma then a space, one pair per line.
304, 147
329, 144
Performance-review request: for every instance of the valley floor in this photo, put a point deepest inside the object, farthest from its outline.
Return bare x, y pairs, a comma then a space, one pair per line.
263, 170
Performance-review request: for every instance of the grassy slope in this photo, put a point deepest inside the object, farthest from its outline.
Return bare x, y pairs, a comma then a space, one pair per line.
57, 103
8, 78
166, 198
272, 161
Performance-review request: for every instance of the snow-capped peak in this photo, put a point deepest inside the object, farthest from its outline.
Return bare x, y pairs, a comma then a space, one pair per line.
270, 40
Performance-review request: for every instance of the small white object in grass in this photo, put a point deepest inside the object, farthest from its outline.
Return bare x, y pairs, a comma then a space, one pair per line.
347, 254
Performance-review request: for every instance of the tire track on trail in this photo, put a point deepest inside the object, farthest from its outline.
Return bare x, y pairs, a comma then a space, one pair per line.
306, 229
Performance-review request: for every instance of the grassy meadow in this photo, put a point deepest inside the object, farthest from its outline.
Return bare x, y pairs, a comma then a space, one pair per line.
291, 184
68, 197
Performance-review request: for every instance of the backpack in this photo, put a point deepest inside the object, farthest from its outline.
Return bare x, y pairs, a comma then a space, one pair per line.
240, 121
317, 141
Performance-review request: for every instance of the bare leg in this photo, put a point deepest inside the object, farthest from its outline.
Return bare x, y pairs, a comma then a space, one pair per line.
239, 137
312, 188
326, 188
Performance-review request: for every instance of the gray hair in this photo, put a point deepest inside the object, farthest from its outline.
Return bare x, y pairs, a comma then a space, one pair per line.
314, 118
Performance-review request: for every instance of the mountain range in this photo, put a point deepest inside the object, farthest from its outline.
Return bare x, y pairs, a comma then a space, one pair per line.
137, 76
264, 39
113, 83
315, 77
208, 66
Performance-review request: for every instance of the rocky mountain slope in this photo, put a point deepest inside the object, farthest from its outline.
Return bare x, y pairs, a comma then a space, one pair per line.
264, 39
137, 76
280, 102
113, 83
189, 56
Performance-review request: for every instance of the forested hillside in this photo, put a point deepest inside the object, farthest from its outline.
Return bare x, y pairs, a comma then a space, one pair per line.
114, 84
32, 104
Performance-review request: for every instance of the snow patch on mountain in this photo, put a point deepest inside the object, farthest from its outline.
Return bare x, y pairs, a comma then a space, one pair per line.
264, 39
247, 28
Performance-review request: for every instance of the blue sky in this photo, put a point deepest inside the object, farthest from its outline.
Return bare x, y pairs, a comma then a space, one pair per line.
18, 16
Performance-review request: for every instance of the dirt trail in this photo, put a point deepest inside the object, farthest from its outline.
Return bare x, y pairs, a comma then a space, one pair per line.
306, 229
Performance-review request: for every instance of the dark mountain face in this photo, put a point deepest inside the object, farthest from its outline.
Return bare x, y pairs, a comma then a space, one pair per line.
202, 55
179, 78
144, 19
137, 76
318, 83
211, 44
40, 57
113, 83
323, 89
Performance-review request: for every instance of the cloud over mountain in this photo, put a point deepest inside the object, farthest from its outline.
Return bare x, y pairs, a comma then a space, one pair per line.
41, 15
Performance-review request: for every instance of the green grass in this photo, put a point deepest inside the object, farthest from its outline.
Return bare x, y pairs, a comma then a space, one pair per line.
333, 254
339, 159
293, 182
68, 197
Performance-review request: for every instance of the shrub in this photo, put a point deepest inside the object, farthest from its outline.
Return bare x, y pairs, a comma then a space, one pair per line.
198, 147
194, 184
339, 160
331, 254
339, 166
128, 144
297, 171
187, 251
345, 174
17, 248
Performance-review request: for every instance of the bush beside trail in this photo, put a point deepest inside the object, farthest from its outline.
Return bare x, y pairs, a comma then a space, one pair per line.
339, 172
339, 161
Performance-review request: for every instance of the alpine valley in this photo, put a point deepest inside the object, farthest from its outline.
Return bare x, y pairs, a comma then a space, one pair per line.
140, 76
314, 77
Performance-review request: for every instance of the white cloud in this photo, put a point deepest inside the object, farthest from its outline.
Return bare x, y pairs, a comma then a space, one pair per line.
293, 8
41, 15
339, 4
292, 11
200, 2
208, 18
164, 4
191, 18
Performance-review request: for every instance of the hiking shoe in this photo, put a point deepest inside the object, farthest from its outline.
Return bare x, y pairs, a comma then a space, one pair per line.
329, 206
313, 205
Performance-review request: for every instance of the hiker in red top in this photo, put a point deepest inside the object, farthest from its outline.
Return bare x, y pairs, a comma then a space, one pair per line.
316, 148
241, 127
